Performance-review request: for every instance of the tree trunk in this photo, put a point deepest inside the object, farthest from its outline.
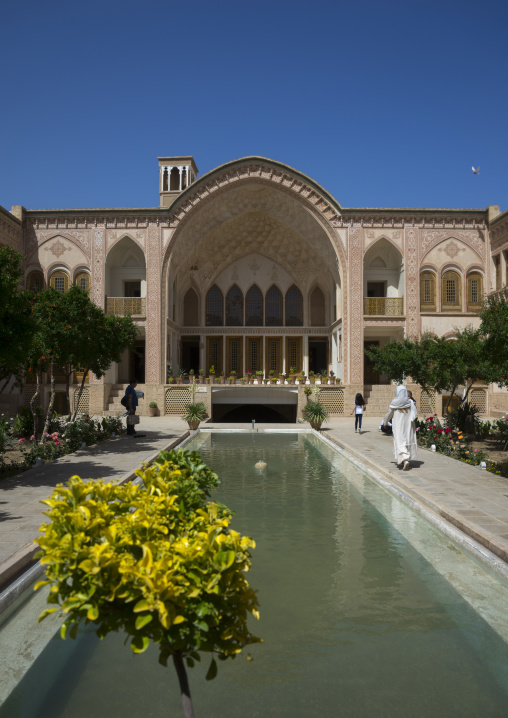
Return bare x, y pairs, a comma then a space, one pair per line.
33, 400
452, 394
51, 400
188, 710
5, 384
76, 401
68, 393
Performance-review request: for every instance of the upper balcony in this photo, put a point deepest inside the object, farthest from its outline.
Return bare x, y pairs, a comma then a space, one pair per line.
122, 306
383, 306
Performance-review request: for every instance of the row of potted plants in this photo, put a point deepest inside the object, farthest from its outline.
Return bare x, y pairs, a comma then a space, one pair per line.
259, 376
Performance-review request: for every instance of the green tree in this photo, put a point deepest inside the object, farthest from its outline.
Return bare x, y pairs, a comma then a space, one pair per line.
436, 363
16, 322
73, 333
155, 560
494, 328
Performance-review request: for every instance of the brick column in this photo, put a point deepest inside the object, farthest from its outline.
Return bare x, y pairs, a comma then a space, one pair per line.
355, 339
153, 306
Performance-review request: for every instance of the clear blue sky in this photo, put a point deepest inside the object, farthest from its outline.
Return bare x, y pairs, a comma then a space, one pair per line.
384, 104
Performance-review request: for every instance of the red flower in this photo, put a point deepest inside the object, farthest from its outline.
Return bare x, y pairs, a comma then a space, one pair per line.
439, 431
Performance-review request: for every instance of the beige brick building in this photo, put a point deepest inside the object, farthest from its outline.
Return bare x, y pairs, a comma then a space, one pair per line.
254, 266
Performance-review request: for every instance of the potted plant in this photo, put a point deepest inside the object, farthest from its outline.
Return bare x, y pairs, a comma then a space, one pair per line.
194, 414
307, 391
211, 374
302, 379
201, 376
271, 374
152, 408
181, 376
312, 377
332, 377
260, 375
191, 373
171, 380
243, 380
292, 375
250, 377
232, 377
315, 413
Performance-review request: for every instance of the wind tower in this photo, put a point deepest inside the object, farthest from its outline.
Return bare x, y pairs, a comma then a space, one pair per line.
176, 174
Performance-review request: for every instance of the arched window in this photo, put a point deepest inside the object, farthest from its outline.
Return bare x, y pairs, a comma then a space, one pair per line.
273, 307
474, 291
317, 308
428, 292
174, 179
450, 292
234, 307
294, 307
190, 309
83, 281
254, 307
59, 280
214, 307
35, 281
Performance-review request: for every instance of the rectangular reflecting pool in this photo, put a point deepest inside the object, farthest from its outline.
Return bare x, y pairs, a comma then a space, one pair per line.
366, 609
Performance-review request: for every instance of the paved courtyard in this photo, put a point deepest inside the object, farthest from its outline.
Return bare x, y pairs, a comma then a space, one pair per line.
474, 501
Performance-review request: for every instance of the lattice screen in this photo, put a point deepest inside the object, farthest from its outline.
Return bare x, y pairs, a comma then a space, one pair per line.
479, 399
84, 402
175, 400
28, 393
333, 399
428, 403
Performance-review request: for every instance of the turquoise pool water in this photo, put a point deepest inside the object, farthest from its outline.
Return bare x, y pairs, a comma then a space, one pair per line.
366, 610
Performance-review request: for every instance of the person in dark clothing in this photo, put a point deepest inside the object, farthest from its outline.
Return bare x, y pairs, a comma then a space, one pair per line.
131, 405
358, 408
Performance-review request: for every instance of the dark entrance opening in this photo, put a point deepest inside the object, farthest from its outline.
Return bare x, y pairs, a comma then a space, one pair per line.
190, 354
370, 375
318, 354
137, 362
376, 289
245, 413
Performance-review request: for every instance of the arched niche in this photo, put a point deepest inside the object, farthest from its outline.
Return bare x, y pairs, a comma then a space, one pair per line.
254, 307
274, 307
59, 280
35, 281
294, 307
126, 270
191, 308
383, 270
317, 308
234, 307
214, 311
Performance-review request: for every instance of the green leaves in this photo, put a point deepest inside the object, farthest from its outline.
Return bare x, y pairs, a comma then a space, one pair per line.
212, 671
155, 560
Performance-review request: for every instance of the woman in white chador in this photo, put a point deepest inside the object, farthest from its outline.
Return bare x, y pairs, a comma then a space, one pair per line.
402, 414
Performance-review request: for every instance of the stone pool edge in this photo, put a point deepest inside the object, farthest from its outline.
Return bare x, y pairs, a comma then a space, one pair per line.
468, 535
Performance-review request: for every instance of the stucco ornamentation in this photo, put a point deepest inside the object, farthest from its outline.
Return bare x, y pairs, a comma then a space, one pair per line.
473, 238
356, 306
153, 366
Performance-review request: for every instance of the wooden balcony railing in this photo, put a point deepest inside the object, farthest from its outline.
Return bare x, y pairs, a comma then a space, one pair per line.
384, 306
136, 306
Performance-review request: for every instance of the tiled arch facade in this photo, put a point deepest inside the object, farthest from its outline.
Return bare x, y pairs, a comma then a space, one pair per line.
257, 222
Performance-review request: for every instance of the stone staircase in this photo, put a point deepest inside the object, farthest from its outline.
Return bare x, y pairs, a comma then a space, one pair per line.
377, 398
115, 395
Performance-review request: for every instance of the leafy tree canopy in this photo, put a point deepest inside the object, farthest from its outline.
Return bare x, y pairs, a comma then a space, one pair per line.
16, 321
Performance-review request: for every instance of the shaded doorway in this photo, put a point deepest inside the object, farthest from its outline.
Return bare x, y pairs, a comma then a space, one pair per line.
318, 355
370, 375
137, 362
190, 354
376, 289
245, 413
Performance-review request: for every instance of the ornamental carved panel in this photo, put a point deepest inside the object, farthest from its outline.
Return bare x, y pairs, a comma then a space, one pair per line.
412, 283
473, 238
153, 305
356, 306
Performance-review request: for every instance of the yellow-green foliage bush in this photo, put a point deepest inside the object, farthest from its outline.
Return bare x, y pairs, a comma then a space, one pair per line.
154, 560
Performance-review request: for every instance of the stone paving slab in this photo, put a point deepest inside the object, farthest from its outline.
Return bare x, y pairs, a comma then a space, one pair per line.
474, 501
21, 512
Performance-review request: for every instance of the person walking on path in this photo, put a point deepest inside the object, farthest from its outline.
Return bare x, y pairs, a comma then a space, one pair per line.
358, 408
131, 398
402, 414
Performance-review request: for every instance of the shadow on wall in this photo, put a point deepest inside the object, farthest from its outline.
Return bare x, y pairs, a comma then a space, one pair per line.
245, 413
